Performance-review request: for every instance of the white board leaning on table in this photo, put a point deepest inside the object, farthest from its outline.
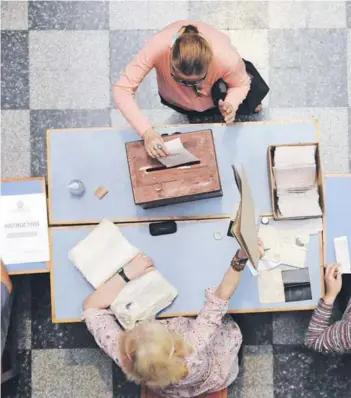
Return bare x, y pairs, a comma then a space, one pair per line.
24, 229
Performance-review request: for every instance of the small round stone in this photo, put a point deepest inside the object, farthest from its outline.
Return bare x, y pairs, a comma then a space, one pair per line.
218, 235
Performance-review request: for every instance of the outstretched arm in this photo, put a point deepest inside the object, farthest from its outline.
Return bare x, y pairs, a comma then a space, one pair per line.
320, 335
216, 304
125, 89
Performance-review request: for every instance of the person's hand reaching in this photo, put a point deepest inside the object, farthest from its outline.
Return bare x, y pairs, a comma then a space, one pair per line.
138, 266
154, 144
333, 281
227, 111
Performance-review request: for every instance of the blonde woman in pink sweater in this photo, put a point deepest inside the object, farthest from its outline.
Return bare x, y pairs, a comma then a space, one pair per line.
199, 72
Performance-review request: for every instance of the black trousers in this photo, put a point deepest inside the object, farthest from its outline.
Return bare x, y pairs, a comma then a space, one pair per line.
345, 294
258, 90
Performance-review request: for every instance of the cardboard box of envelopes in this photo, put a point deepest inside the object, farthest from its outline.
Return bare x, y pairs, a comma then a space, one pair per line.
319, 181
155, 185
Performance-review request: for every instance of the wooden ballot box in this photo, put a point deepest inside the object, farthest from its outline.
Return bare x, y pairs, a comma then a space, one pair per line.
155, 185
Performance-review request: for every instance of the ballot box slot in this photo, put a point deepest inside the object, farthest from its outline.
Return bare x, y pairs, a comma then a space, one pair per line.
159, 168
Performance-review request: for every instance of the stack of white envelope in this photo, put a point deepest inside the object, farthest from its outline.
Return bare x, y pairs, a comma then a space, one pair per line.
143, 298
295, 178
101, 255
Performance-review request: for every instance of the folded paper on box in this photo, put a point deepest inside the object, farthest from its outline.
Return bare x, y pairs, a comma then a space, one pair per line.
143, 298
102, 253
178, 154
244, 226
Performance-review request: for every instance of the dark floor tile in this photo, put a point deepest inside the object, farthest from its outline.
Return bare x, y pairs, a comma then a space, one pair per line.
14, 70
300, 372
41, 120
46, 334
21, 310
68, 15
21, 385
290, 327
255, 328
122, 388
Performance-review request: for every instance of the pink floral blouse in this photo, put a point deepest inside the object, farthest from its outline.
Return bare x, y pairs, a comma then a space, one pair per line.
216, 340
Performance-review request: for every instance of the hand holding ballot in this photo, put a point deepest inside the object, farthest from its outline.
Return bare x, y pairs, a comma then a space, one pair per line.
154, 144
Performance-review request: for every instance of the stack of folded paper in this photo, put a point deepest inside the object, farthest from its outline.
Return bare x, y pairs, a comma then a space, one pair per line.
143, 298
295, 179
102, 253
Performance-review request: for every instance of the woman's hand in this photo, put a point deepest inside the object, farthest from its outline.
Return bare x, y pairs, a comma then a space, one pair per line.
154, 144
138, 266
227, 111
333, 283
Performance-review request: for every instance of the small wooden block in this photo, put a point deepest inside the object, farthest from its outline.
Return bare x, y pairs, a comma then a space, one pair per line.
101, 192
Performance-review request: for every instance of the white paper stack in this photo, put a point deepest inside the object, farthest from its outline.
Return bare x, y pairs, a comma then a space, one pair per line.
102, 253
295, 176
143, 298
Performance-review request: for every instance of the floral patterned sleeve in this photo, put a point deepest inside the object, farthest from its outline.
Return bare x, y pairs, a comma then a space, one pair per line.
102, 324
207, 321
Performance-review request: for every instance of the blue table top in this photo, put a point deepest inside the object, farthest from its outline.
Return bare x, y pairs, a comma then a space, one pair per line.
24, 187
97, 157
191, 259
338, 212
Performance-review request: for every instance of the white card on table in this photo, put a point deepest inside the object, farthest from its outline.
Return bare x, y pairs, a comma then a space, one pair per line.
342, 254
24, 229
271, 286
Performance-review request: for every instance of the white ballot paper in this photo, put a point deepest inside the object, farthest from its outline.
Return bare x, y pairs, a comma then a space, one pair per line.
178, 154
102, 253
271, 286
143, 298
284, 246
342, 254
24, 229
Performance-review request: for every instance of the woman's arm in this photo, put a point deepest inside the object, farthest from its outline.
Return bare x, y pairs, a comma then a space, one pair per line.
124, 90
320, 336
216, 306
237, 79
101, 321
324, 338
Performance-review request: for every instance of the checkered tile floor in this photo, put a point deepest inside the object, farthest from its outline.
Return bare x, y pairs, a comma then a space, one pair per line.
58, 62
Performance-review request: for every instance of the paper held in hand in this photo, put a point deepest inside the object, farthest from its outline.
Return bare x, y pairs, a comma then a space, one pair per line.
178, 154
244, 226
24, 229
